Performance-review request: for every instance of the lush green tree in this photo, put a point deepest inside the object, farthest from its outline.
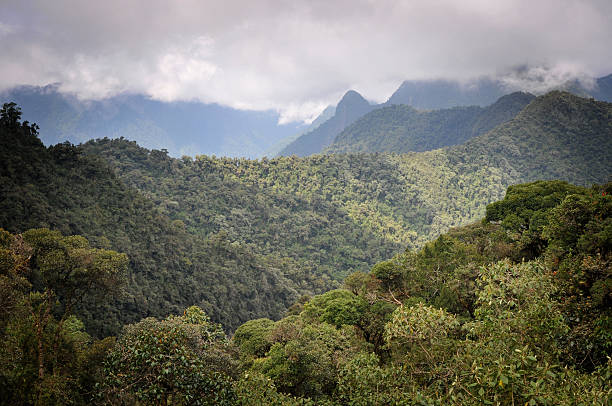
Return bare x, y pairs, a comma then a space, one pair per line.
252, 338
337, 307
44, 276
182, 360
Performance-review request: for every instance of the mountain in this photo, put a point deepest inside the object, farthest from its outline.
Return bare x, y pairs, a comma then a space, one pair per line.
402, 128
183, 128
244, 238
557, 136
282, 144
603, 89
315, 209
350, 108
442, 94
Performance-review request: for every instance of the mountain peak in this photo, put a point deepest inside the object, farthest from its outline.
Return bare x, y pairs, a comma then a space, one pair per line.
351, 98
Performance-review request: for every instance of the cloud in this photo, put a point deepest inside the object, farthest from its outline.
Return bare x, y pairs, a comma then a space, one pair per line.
540, 79
294, 56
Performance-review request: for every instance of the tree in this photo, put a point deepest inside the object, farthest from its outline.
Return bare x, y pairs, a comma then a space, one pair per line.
63, 271
181, 360
43, 277
10, 115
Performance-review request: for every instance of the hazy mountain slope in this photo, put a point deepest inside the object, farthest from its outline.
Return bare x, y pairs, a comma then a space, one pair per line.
282, 144
603, 89
182, 128
350, 108
401, 128
441, 94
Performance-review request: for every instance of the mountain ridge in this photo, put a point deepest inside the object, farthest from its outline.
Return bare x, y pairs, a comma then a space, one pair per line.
402, 128
349, 108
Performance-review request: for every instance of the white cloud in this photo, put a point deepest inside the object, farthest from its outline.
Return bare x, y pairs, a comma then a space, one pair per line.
296, 56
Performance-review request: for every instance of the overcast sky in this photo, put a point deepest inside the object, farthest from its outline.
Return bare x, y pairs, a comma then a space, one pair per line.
293, 56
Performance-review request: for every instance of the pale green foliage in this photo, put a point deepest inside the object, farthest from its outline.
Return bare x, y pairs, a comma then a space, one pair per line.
515, 307
306, 355
421, 338
419, 324
255, 389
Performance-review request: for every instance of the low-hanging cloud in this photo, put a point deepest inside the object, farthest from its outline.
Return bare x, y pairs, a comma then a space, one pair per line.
295, 57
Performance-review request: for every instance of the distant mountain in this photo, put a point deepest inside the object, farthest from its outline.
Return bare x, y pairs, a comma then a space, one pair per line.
183, 128
282, 144
423, 95
441, 94
603, 89
350, 108
402, 128
557, 136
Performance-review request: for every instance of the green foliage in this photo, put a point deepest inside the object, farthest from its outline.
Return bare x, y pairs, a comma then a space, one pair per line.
337, 307
452, 324
258, 235
46, 356
63, 189
401, 128
524, 209
255, 389
418, 325
179, 360
305, 356
570, 227
252, 338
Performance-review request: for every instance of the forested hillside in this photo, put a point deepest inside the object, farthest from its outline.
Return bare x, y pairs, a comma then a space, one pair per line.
340, 212
209, 231
401, 128
515, 308
65, 190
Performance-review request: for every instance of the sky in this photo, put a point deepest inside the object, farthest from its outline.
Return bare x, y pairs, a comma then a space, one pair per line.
294, 56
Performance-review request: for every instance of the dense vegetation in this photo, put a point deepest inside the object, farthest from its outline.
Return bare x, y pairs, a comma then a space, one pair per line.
513, 309
63, 189
340, 213
401, 128
259, 234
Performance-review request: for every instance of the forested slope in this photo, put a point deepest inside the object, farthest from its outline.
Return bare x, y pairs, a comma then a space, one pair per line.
244, 238
63, 189
514, 309
401, 128
339, 212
